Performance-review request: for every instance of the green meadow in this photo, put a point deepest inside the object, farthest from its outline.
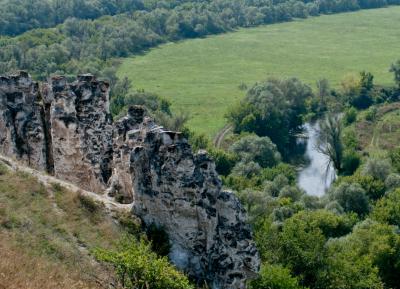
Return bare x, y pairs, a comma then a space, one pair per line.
202, 76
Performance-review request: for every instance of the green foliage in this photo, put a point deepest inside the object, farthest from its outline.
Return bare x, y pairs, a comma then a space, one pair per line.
131, 224
286, 170
378, 244
303, 238
350, 140
351, 197
19, 16
330, 141
392, 182
350, 116
248, 169
374, 188
257, 149
350, 163
347, 269
395, 68
159, 239
138, 267
89, 204
224, 161
198, 141
394, 156
275, 277
371, 114
273, 108
358, 92
237, 180
387, 209
377, 168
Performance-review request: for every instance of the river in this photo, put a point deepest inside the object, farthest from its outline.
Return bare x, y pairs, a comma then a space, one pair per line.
314, 177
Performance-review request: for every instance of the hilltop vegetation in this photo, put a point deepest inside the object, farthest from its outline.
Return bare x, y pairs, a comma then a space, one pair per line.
204, 76
53, 238
82, 45
18, 16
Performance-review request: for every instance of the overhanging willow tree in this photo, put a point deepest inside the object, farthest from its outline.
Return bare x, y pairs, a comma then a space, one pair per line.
330, 141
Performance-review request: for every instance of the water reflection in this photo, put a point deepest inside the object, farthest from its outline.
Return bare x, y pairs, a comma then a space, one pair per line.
315, 178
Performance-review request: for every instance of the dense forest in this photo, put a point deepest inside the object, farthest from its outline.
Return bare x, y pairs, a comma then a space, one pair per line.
85, 43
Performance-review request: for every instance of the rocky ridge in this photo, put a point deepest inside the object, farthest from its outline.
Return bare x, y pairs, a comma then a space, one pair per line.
66, 130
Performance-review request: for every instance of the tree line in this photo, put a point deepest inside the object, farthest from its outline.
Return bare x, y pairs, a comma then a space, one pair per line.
86, 43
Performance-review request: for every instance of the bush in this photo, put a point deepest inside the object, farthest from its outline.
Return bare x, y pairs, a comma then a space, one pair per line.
394, 156
387, 209
89, 204
159, 239
392, 182
257, 149
351, 197
350, 163
129, 222
377, 168
224, 161
198, 141
138, 267
291, 192
246, 169
374, 188
371, 114
275, 277
350, 116
286, 170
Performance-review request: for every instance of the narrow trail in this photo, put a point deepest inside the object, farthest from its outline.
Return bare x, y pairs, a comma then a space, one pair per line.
221, 135
48, 181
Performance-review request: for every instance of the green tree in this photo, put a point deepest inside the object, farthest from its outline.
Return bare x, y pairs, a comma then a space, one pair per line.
387, 209
395, 68
258, 149
275, 277
351, 197
137, 267
330, 141
377, 168
272, 108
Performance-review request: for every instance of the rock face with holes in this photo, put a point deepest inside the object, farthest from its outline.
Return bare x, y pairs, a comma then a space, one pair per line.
66, 129
22, 134
80, 130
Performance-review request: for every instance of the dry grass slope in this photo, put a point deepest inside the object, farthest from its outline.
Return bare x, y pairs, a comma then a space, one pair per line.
47, 236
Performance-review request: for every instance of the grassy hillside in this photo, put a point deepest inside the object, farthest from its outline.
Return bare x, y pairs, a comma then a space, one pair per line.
202, 76
47, 236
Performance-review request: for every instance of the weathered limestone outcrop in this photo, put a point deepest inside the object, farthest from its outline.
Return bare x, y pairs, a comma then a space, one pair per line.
81, 130
182, 193
21, 124
66, 129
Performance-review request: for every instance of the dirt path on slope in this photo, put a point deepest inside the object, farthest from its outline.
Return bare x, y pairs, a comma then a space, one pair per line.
49, 181
221, 135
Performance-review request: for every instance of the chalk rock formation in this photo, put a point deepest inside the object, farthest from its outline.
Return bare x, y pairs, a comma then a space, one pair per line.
66, 129
21, 125
81, 130
181, 192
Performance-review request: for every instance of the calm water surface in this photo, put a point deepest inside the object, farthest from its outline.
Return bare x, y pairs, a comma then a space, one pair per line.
315, 178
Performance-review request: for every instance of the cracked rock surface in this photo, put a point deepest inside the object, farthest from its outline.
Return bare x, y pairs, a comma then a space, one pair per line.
66, 130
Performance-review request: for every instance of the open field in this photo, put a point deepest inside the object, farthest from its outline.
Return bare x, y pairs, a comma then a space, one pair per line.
202, 76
